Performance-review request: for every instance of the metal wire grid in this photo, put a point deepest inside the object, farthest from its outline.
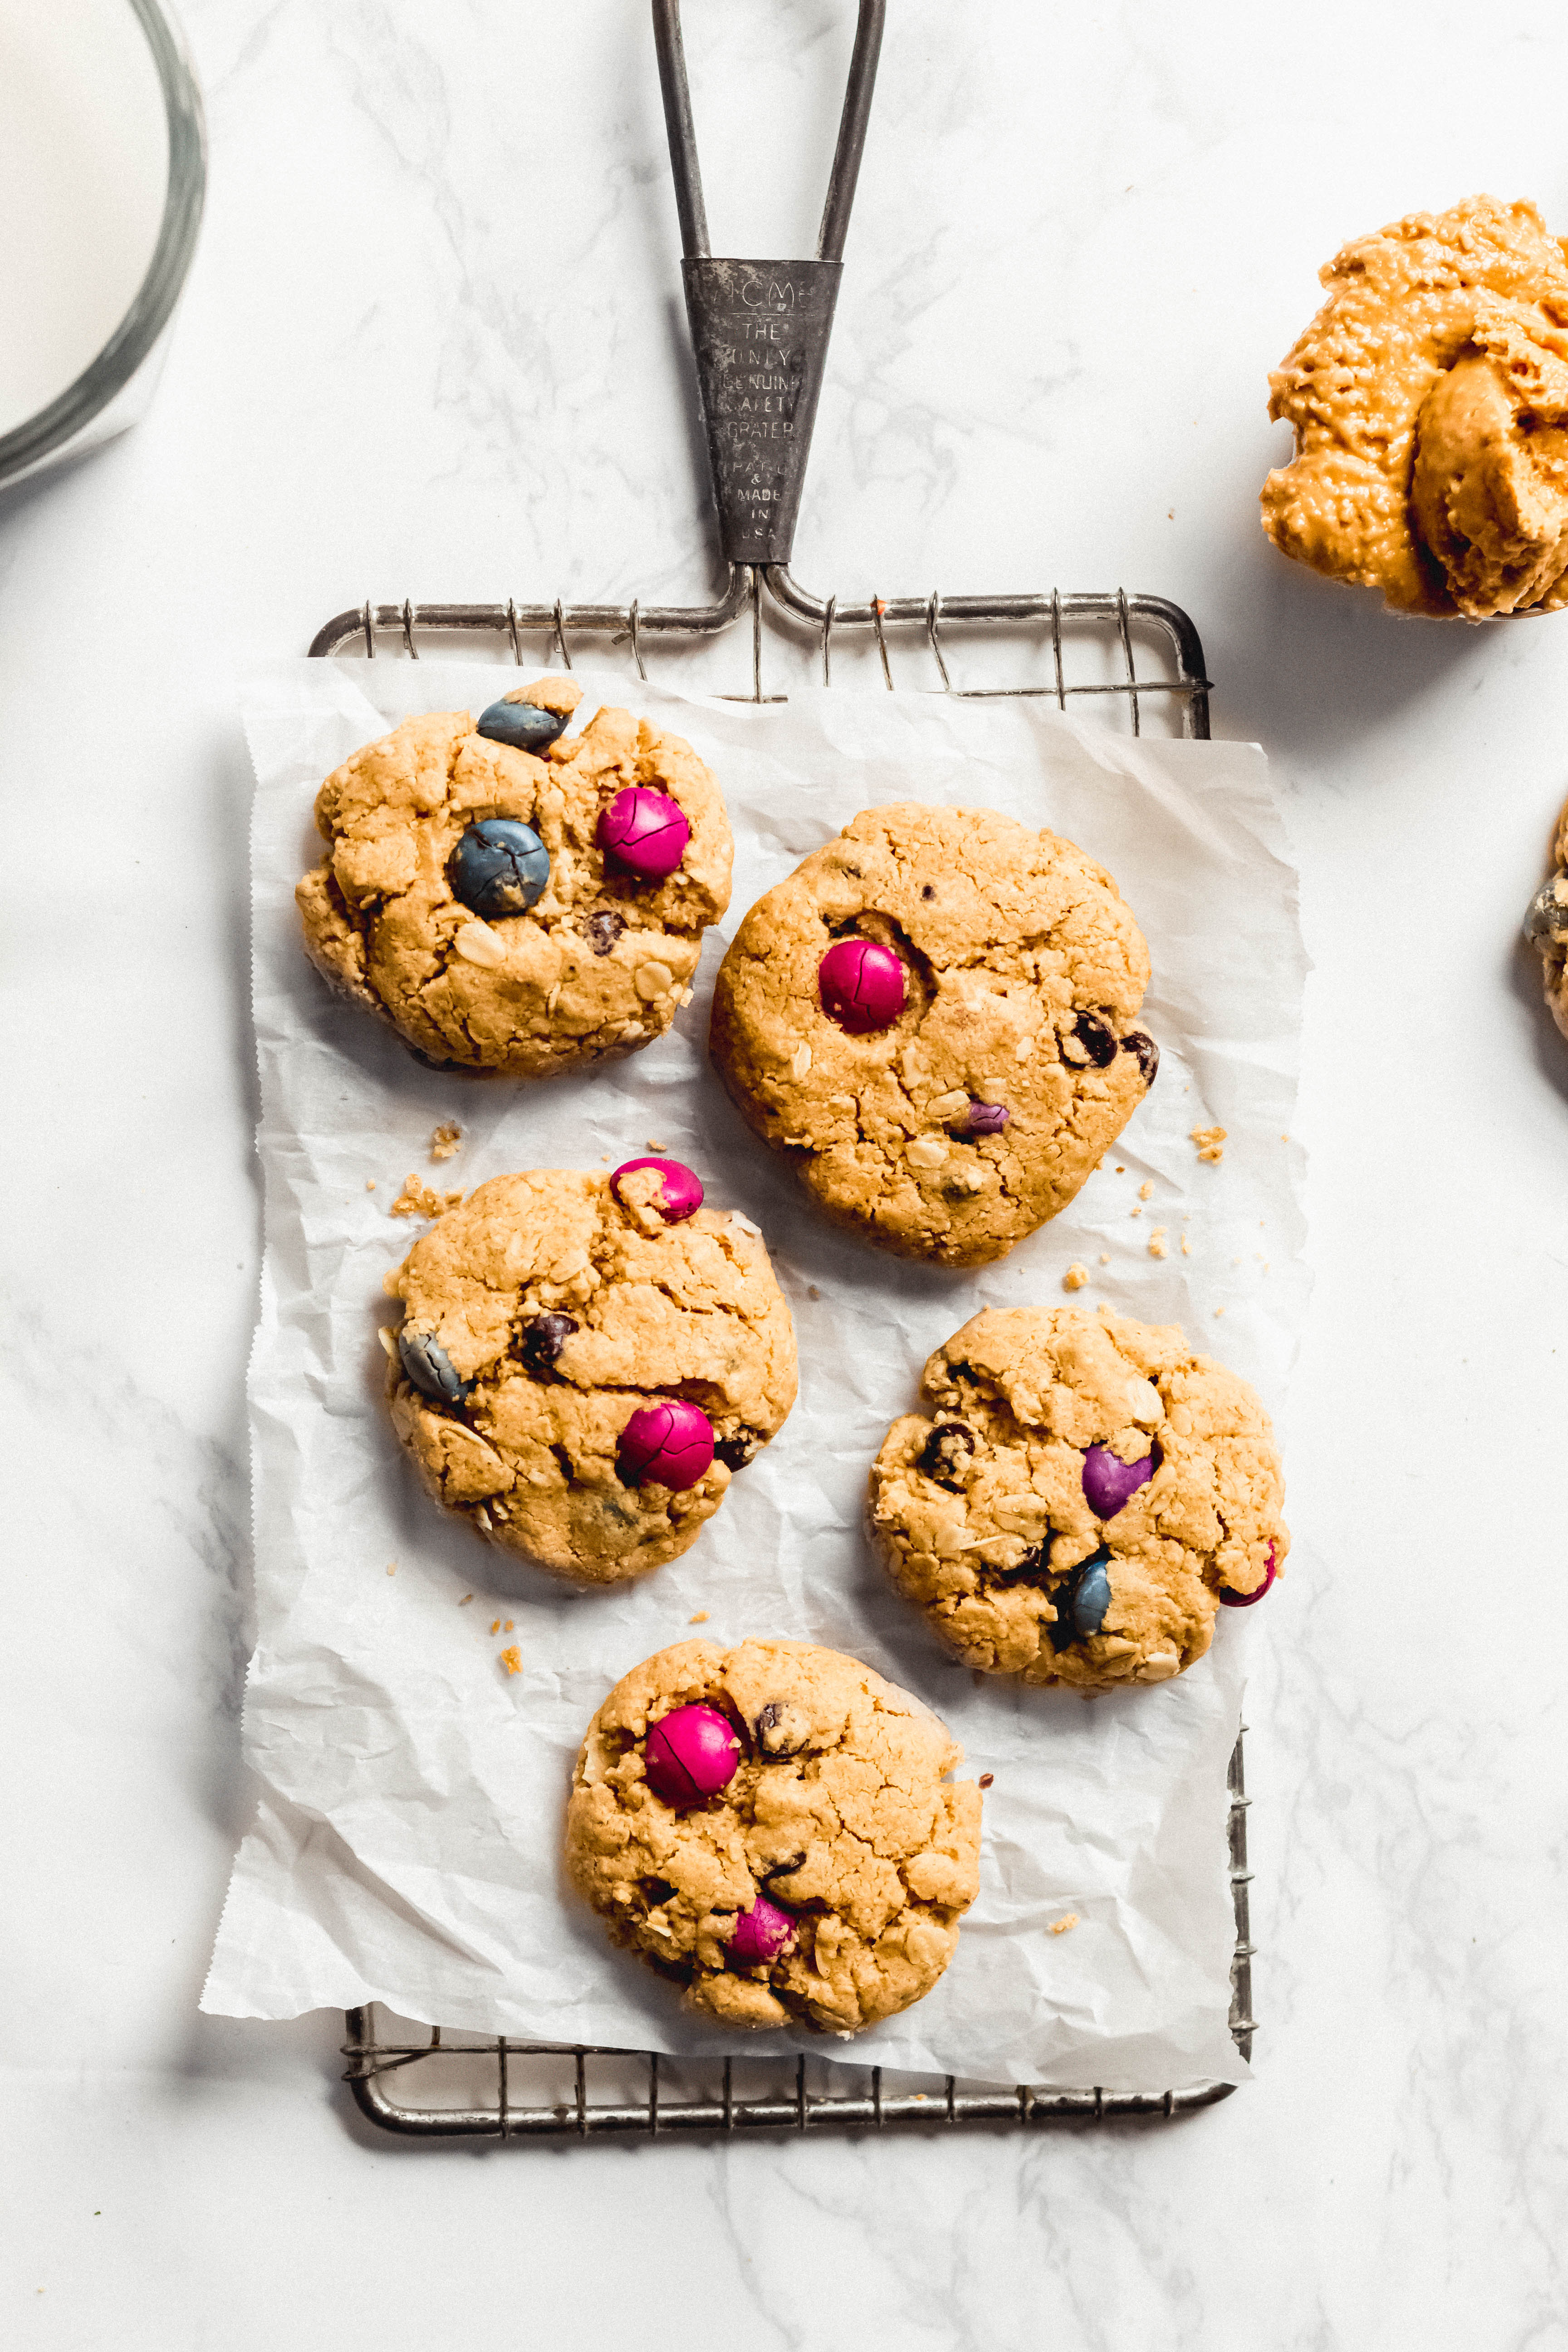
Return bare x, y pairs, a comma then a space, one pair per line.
794, 2106
1121, 621
1117, 625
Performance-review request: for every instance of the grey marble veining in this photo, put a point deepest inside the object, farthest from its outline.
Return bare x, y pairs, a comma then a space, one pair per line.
433, 346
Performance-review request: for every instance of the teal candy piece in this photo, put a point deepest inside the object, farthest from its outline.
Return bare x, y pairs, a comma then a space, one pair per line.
521, 724
431, 1369
500, 868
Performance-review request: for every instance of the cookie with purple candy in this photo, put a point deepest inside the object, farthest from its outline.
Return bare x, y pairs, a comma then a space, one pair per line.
1079, 1495
934, 1021
773, 1829
512, 898
586, 1361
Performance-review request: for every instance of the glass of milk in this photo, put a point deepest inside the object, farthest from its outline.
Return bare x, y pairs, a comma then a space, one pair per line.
102, 171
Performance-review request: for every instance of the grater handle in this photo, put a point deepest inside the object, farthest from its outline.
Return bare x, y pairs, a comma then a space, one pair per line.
760, 327
688, 172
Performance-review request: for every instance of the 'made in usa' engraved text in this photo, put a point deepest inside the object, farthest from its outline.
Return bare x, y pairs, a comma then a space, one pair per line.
760, 334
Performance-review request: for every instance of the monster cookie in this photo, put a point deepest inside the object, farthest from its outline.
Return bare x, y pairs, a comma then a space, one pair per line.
512, 901
587, 1361
1081, 1493
769, 1828
1429, 398
1546, 929
932, 1019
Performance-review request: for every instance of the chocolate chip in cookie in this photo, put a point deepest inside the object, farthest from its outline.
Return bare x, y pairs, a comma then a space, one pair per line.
946, 1453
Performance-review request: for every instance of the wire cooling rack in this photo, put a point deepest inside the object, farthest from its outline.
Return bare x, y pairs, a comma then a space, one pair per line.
760, 338
1127, 659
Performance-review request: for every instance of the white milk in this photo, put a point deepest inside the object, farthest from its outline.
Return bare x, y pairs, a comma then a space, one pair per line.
83, 169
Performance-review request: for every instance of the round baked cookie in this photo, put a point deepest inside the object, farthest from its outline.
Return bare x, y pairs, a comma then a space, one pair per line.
932, 1020
1081, 1493
1546, 929
1429, 400
432, 909
581, 1377
817, 1871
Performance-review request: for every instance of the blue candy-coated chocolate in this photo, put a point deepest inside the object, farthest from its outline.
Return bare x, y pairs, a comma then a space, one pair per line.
521, 724
431, 1369
499, 866
1090, 1599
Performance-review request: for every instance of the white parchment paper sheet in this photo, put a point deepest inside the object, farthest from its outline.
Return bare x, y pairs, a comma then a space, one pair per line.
407, 1844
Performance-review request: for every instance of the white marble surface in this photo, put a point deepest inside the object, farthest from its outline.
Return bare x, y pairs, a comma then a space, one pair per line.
432, 347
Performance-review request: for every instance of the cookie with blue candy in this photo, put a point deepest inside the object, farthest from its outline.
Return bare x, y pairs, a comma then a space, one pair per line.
586, 1361
1079, 1497
516, 899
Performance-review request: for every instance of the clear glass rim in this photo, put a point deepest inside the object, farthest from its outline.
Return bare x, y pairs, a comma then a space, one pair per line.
154, 301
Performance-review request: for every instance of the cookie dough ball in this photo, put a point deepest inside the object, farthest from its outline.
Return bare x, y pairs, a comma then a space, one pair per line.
1546, 929
1429, 398
1081, 1493
580, 1377
945, 1109
823, 1882
424, 910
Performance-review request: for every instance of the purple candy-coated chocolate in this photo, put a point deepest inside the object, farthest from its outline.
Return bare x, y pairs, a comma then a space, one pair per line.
761, 1934
1109, 1481
667, 1445
692, 1754
645, 832
981, 1118
682, 1193
863, 985
1245, 1600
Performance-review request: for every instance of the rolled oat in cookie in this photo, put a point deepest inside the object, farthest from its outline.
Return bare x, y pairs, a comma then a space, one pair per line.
933, 1020
771, 1828
1079, 1495
585, 1363
471, 895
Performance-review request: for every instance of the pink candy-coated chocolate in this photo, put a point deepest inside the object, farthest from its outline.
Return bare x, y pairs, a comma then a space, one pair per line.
667, 1445
1109, 1481
761, 1934
863, 985
692, 1754
1245, 1600
645, 831
682, 1193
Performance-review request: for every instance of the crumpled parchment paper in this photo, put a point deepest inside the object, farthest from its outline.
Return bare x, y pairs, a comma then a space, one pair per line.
406, 1843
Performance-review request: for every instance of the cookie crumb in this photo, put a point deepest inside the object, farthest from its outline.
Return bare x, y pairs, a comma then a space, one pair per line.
495, 1624
392, 1568
1075, 1277
1137, 1210
446, 1140
509, 1627
370, 1183
1105, 1258
812, 1291
1210, 1142
1218, 1312
699, 1617
987, 1779
1064, 1925
465, 1600
1146, 1192
1120, 1172
655, 1144
1186, 1246
1158, 1245
418, 1199
511, 1659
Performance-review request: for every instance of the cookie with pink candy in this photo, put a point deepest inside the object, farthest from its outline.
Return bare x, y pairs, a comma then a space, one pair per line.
586, 1361
774, 1829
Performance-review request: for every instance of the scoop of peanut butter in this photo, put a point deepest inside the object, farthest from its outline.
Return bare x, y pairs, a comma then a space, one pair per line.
1429, 398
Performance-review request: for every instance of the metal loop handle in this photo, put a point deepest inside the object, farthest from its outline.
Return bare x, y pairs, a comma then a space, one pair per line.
682, 131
